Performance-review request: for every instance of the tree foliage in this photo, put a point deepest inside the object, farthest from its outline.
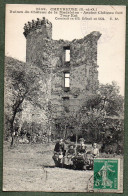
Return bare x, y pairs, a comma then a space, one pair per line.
22, 81
91, 119
107, 103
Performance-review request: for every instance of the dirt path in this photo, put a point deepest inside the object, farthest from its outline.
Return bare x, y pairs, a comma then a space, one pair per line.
31, 168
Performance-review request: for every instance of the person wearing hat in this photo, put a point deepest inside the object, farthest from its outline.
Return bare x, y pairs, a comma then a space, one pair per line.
59, 152
60, 147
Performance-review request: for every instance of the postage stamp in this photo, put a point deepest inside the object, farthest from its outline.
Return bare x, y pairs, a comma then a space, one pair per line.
106, 173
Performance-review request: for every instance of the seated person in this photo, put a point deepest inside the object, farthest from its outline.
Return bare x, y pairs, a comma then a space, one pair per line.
71, 150
59, 151
95, 151
60, 147
70, 154
81, 148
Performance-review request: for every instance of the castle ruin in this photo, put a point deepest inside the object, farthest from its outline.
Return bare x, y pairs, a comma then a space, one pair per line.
72, 65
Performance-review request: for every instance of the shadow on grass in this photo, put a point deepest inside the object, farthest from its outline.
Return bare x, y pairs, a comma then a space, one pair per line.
53, 166
48, 166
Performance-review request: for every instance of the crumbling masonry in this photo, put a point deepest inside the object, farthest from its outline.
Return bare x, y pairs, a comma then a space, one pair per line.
72, 65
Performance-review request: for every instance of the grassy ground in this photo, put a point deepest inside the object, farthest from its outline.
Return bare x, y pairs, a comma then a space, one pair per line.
29, 167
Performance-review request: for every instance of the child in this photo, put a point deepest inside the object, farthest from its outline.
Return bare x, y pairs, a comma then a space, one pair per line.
71, 150
95, 151
70, 154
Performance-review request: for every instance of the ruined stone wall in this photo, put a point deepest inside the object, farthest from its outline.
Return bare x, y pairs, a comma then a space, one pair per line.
49, 55
45, 53
84, 52
83, 74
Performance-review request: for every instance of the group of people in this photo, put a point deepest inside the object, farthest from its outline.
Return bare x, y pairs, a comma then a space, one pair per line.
81, 149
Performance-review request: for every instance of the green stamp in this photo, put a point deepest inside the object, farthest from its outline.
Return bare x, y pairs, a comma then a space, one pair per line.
105, 174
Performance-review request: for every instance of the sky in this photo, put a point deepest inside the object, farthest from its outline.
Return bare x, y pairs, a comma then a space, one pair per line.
108, 20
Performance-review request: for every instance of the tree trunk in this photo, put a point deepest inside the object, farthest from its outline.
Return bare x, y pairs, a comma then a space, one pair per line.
15, 110
11, 126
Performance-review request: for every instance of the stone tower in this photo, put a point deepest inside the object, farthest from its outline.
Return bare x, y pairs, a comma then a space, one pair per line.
73, 78
35, 32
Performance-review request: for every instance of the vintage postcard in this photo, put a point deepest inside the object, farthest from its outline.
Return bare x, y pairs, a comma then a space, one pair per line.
64, 98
